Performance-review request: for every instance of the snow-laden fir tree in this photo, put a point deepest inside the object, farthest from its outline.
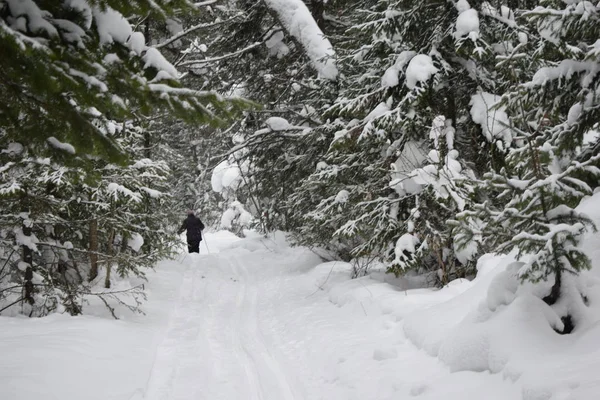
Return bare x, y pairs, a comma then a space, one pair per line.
398, 76
555, 162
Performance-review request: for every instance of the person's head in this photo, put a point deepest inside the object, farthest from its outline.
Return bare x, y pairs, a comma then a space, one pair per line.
190, 212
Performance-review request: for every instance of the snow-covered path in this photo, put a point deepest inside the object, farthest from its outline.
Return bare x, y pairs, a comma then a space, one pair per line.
258, 320
252, 323
214, 347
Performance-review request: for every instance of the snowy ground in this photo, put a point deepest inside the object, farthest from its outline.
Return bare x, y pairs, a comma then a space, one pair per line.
256, 319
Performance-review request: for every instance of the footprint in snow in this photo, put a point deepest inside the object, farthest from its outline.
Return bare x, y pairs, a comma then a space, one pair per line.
385, 354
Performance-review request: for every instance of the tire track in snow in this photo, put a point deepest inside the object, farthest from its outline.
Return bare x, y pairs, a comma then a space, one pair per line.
272, 380
242, 352
213, 348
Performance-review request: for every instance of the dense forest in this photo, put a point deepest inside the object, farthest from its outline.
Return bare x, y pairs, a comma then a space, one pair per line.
418, 135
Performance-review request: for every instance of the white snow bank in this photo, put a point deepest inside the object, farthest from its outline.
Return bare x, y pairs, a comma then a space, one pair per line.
358, 350
90, 357
382, 294
502, 326
298, 21
493, 327
329, 274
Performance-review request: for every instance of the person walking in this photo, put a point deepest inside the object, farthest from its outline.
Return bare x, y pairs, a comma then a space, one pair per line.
194, 228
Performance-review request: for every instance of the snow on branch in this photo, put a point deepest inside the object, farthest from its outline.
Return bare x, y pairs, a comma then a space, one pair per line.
193, 29
205, 3
112, 27
160, 87
223, 57
299, 22
35, 17
57, 144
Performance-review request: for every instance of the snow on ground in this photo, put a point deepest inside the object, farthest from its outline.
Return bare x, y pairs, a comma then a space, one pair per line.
256, 319
89, 357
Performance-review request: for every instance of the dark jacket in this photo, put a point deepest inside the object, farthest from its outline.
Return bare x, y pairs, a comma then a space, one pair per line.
194, 228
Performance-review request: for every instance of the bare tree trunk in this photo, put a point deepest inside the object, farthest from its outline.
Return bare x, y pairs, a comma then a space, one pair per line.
93, 250
76, 267
123, 243
109, 254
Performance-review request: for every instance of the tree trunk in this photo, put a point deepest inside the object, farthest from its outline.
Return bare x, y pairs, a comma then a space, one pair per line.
122, 246
28, 259
317, 9
27, 255
109, 251
93, 250
555, 291
147, 135
437, 249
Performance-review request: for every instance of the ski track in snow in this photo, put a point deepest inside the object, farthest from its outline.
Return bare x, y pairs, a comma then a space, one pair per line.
214, 348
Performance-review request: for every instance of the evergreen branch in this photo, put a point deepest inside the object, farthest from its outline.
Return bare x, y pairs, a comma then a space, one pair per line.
223, 57
196, 28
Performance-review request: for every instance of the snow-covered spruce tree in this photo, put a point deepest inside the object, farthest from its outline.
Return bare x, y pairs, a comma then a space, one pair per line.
347, 191
82, 218
69, 70
555, 164
35, 255
399, 75
282, 146
443, 185
128, 207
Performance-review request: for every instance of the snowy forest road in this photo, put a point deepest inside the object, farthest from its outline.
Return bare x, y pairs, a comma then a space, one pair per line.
256, 321
214, 348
